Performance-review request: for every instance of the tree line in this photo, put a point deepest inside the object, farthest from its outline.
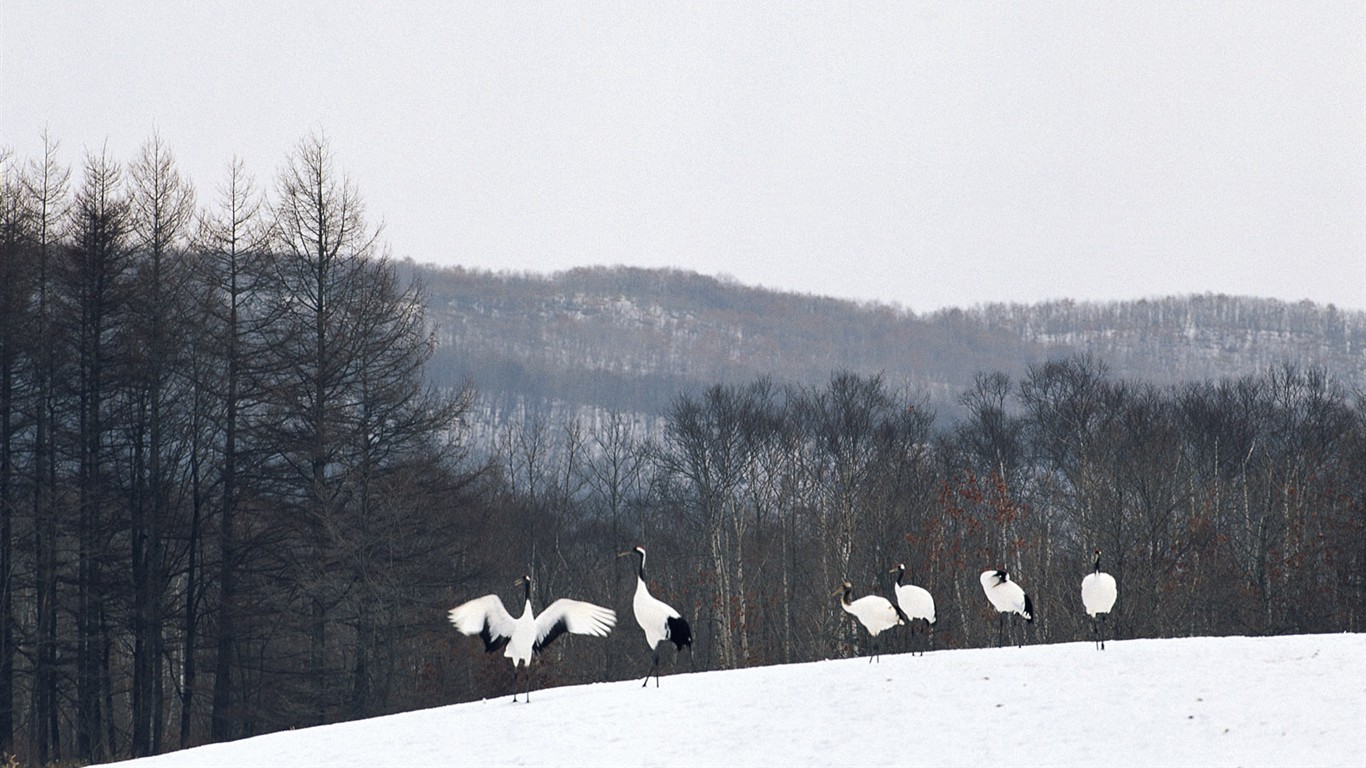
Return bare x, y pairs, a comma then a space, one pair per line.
1222, 507
234, 503
224, 480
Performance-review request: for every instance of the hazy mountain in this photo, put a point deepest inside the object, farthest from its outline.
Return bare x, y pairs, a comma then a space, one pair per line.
631, 339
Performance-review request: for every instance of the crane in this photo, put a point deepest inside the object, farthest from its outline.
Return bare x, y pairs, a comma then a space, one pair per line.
658, 619
1098, 593
915, 602
1006, 597
874, 612
530, 633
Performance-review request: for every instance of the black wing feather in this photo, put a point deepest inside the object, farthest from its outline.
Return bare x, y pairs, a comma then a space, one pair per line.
556, 629
492, 643
678, 632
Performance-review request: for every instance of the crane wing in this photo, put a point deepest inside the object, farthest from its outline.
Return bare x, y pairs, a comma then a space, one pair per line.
565, 615
678, 632
484, 616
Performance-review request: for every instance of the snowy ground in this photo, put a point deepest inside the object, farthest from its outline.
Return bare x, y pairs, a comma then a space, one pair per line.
1202, 701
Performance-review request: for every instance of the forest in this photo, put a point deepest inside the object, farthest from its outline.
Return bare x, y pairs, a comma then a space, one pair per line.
234, 501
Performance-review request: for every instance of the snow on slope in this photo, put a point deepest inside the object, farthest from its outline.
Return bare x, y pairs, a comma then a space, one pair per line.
1200, 701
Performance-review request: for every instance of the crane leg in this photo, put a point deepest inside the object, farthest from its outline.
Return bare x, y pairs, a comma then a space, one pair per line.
526, 676
654, 668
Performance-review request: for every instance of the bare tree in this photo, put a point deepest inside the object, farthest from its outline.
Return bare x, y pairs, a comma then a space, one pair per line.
617, 471
704, 449
95, 285
46, 186
349, 406
160, 209
16, 329
232, 251
323, 245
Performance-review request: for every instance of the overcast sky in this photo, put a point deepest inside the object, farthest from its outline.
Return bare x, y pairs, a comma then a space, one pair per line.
927, 154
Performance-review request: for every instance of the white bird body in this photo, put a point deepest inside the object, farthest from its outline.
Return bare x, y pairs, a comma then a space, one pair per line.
652, 614
1098, 594
915, 602
656, 618
876, 613
1007, 597
530, 633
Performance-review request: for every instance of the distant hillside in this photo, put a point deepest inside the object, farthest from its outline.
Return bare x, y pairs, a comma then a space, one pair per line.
631, 339
1195, 337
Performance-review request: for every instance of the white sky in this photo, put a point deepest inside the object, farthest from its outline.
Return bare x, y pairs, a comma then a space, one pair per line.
928, 154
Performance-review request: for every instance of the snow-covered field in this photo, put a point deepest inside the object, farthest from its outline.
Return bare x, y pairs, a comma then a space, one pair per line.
1201, 701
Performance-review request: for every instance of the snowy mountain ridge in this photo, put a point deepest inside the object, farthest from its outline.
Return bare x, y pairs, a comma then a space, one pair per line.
630, 339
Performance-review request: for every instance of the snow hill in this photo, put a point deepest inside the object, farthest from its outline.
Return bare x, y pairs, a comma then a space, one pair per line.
1201, 701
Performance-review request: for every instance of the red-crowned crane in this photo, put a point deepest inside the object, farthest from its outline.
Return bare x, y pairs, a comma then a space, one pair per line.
1006, 597
658, 619
519, 638
1098, 593
874, 612
915, 602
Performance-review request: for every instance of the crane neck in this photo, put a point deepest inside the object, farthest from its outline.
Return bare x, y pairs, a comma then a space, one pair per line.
1097, 562
900, 574
848, 596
